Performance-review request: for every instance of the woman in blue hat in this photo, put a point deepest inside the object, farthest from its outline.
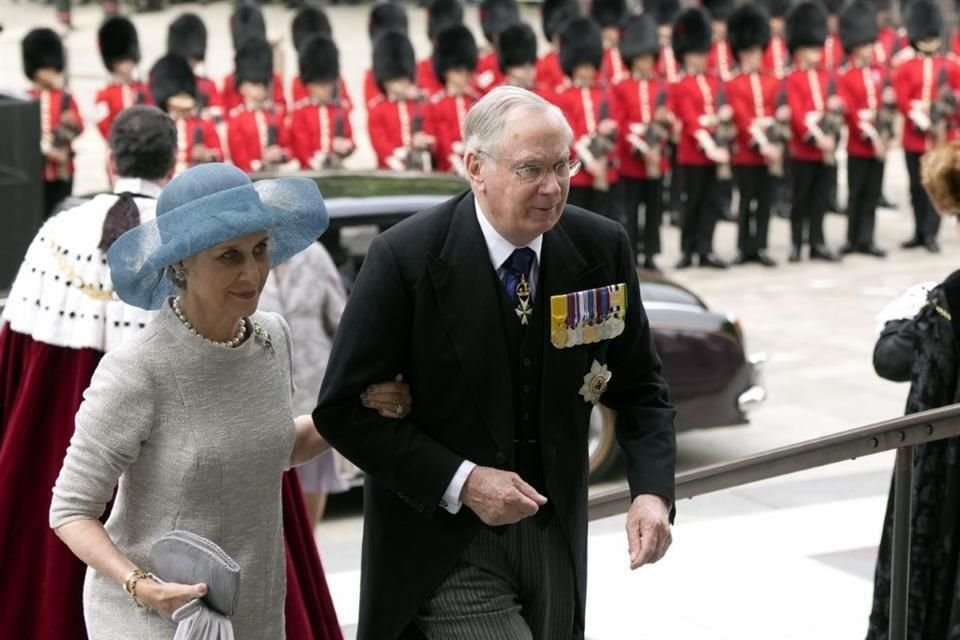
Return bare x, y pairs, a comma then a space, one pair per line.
193, 415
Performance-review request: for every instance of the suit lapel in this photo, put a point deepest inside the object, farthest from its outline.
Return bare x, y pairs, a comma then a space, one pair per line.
465, 285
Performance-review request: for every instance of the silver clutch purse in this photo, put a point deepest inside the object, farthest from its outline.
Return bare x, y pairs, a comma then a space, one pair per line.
186, 558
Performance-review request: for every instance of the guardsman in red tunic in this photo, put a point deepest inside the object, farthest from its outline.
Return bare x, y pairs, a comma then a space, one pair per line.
440, 15
753, 95
495, 16
174, 89
586, 102
384, 16
924, 85
610, 14
320, 130
645, 124
665, 12
869, 126
776, 57
120, 50
833, 57
247, 22
517, 54
44, 61
308, 22
454, 59
694, 103
555, 14
397, 123
257, 133
889, 42
814, 134
720, 62
187, 38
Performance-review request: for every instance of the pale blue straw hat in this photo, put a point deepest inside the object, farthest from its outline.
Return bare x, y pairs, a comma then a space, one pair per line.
204, 206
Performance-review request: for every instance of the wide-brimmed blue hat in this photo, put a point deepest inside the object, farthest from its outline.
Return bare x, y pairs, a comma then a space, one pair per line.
204, 206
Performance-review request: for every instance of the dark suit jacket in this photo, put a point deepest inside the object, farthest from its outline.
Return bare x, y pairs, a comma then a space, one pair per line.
425, 305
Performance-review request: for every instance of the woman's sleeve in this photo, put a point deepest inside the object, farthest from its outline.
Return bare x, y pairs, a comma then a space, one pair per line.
112, 424
893, 353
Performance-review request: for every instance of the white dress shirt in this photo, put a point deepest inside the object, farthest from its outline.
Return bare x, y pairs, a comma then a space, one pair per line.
500, 250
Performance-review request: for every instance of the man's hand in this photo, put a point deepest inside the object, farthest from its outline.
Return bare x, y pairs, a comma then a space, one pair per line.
648, 530
500, 497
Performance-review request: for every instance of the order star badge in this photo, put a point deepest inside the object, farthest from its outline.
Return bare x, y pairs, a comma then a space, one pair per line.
595, 382
523, 309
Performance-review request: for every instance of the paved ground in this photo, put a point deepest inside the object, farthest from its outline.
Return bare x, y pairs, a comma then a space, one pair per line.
790, 558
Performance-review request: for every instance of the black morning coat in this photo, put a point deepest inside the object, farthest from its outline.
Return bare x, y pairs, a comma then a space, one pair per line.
425, 305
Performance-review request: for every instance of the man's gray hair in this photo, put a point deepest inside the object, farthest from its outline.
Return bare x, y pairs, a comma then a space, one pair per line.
487, 119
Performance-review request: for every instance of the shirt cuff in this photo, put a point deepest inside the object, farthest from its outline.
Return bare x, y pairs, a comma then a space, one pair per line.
451, 497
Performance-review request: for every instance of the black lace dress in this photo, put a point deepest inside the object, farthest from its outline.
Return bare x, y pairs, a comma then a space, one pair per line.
933, 336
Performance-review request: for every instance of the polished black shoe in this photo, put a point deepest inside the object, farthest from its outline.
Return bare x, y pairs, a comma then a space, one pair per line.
742, 258
782, 212
729, 215
764, 258
883, 203
912, 243
650, 265
823, 252
932, 246
685, 262
711, 261
872, 250
795, 255
847, 249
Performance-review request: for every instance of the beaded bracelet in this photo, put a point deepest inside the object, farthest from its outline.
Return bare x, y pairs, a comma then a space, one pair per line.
130, 585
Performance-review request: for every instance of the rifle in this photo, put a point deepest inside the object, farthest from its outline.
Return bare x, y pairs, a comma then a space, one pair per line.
64, 133
417, 159
943, 108
601, 145
724, 133
778, 133
831, 122
648, 139
197, 140
887, 114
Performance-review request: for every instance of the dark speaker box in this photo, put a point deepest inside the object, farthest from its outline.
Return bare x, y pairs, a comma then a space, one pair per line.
21, 183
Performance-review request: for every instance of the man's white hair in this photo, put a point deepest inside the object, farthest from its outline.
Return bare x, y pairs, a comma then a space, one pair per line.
486, 120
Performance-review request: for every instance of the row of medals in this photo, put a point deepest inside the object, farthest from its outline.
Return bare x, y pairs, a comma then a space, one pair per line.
587, 332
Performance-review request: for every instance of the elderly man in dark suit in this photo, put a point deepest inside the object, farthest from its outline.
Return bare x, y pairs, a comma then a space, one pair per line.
510, 314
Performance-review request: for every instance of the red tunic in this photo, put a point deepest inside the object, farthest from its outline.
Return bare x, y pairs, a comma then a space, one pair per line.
613, 68
776, 58
585, 108
53, 103
299, 93
694, 97
888, 44
427, 79
446, 114
720, 61
232, 99
488, 74
752, 96
114, 98
371, 91
211, 102
917, 79
833, 57
391, 125
636, 103
806, 94
549, 74
313, 128
191, 132
250, 131
861, 89
667, 66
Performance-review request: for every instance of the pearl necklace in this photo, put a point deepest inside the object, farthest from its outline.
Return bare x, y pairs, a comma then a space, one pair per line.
226, 344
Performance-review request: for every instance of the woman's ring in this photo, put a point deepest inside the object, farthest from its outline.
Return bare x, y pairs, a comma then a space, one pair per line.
399, 410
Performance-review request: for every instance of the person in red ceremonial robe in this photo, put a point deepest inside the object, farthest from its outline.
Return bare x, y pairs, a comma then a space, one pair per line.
455, 59
861, 86
610, 14
320, 130
814, 131
397, 123
257, 134
587, 104
495, 16
44, 61
776, 57
187, 38
247, 22
926, 80
645, 124
385, 15
668, 69
517, 54
554, 18
440, 15
833, 57
120, 51
694, 103
753, 95
174, 89
311, 21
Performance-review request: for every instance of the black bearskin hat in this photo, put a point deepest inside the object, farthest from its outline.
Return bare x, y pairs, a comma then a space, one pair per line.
254, 62
387, 15
923, 21
42, 49
309, 22
393, 57
554, 16
858, 25
118, 41
719, 10
442, 14
517, 46
319, 60
581, 43
171, 75
497, 15
748, 27
187, 37
691, 33
608, 13
806, 26
882, 5
639, 38
663, 11
833, 7
455, 49
777, 8
247, 22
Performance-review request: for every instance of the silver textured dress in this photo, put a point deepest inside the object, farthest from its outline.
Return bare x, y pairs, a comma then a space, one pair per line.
198, 436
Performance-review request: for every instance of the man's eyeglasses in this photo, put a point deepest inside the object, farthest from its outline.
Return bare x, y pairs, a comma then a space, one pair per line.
530, 173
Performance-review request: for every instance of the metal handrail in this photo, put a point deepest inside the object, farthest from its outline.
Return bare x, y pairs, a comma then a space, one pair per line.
900, 434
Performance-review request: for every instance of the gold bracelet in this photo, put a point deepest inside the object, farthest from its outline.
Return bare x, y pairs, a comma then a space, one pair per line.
130, 586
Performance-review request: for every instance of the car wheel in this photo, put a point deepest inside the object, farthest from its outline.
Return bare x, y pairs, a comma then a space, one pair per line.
602, 442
